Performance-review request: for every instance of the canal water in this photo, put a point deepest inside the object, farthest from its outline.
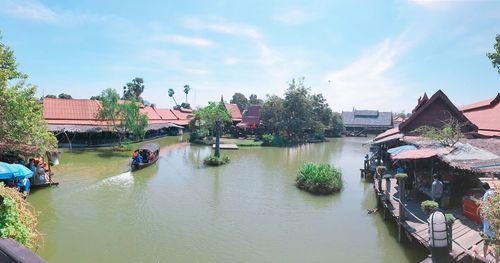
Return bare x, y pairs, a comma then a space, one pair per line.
246, 211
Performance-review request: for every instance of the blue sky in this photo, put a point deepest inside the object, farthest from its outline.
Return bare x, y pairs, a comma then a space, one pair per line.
364, 54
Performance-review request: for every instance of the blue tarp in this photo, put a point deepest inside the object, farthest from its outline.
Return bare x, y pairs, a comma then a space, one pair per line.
401, 149
11, 171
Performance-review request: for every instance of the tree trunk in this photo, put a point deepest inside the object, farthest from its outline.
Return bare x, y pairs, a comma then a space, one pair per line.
217, 139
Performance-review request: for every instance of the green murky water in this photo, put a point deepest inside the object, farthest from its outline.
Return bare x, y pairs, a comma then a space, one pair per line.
180, 211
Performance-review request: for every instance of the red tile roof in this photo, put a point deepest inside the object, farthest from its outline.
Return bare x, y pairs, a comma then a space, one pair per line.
85, 112
386, 133
234, 111
253, 115
485, 115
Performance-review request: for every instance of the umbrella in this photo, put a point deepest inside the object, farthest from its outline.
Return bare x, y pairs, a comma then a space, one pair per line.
23, 171
415, 154
7, 171
400, 149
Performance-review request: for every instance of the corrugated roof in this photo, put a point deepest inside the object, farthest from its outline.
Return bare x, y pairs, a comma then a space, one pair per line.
352, 119
70, 109
166, 114
485, 115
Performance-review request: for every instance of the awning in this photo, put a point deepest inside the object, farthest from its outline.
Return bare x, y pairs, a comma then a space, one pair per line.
11, 171
400, 149
415, 154
152, 147
396, 136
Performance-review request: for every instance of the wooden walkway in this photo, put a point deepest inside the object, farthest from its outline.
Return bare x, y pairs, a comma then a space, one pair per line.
467, 244
227, 146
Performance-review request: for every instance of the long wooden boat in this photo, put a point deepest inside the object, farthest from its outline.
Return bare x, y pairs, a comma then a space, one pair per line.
145, 151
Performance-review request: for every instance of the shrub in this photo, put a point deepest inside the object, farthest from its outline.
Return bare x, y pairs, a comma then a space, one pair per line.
213, 160
267, 139
429, 206
401, 176
198, 135
319, 178
17, 220
450, 219
491, 211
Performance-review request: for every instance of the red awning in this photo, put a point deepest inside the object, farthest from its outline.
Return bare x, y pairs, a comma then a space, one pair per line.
415, 154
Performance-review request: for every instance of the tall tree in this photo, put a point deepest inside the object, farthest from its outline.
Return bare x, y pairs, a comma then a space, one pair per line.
254, 100
64, 96
125, 118
240, 100
186, 90
21, 115
495, 56
272, 114
171, 93
134, 89
213, 116
298, 110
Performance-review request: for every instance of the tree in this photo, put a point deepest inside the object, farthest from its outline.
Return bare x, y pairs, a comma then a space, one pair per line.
64, 96
449, 134
125, 117
213, 116
98, 97
186, 90
254, 100
495, 56
240, 100
21, 115
51, 96
133, 89
171, 93
272, 114
298, 111
185, 105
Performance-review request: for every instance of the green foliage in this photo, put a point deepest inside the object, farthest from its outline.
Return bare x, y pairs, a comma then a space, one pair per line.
133, 90
125, 117
240, 100
300, 116
185, 105
495, 56
171, 93
51, 96
17, 220
319, 178
214, 112
21, 115
95, 97
449, 134
491, 211
253, 100
267, 139
401, 176
213, 160
198, 134
64, 96
186, 90
429, 206
450, 218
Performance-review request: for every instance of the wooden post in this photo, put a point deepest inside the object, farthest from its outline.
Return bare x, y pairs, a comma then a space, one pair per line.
401, 202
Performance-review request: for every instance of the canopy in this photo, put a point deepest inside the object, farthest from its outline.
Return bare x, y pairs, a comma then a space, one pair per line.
22, 170
152, 147
400, 149
6, 171
415, 154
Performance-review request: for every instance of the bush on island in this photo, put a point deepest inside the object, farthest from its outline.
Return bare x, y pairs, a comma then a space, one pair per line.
429, 206
198, 135
319, 178
213, 160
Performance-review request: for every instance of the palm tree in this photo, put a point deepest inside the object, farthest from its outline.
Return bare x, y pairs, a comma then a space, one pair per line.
186, 90
171, 93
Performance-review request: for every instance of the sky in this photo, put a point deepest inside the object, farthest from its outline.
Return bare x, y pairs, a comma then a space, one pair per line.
365, 54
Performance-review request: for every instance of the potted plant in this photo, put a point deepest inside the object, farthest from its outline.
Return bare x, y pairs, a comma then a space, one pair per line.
429, 206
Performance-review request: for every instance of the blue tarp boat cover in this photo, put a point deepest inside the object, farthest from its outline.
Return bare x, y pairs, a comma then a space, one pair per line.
11, 171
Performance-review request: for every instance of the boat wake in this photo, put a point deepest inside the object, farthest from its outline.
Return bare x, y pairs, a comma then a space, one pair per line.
123, 180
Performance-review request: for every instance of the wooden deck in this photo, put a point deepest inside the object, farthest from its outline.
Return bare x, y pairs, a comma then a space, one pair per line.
467, 244
227, 146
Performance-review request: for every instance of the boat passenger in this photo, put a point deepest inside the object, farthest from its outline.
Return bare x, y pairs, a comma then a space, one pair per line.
24, 186
138, 158
32, 166
151, 156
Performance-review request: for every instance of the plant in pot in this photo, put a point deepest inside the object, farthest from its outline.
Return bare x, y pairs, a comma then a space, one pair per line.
429, 206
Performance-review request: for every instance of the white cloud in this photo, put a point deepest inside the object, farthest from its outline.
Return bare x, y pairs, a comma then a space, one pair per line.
30, 10
433, 4
171, 60
231, 61
185, 40
367, 82
36, 11
293, 16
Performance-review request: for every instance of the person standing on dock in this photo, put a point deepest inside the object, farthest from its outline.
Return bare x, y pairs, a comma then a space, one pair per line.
437, 190
489, 235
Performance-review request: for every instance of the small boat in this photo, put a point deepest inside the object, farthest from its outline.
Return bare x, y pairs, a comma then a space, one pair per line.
145, 156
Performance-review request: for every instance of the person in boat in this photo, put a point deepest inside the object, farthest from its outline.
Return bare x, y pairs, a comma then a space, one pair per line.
137, 157
31, 165
24, 186
151, 156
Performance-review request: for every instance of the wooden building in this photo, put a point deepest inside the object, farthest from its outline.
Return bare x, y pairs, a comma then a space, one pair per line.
485, 115
362, 122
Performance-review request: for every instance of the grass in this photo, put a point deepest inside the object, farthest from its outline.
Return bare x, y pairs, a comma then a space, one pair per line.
213, 160
319, 178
